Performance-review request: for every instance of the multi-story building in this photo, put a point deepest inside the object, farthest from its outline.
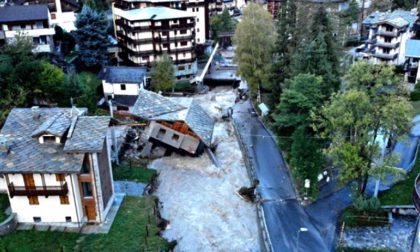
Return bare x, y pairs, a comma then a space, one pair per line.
144, 34
32, 21
387, 34
56, 165
62, 11
197, 8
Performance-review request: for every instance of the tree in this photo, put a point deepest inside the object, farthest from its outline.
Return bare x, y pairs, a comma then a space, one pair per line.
351, 14
51, 80
284, 48
92, 38
221, 23
354, 118
254, 39
403, 4
292, 124
318, 54
162, 74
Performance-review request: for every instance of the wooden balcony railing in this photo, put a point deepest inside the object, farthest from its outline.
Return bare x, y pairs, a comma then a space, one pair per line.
38, 190
416, 193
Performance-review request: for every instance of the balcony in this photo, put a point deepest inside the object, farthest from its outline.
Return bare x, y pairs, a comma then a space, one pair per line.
390, 45
416, 193
387, 56
387, 33
30, 33
38, 190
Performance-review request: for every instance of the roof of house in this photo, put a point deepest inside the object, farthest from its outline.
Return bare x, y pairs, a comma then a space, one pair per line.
397, 18
23, 13
124, 100
154, 13
191, 113
88, 135
150, 104
27, 155
412, 48
114, 74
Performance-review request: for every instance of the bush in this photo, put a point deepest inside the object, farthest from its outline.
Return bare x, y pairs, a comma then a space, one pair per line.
184, 86
371, 205
415, 95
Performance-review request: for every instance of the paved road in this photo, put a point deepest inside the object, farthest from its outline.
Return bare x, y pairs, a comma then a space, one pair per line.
283, 213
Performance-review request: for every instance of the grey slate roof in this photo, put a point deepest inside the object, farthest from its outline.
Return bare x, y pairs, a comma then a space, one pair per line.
194, 116
88, 135
123, 74
412, 48
150, 104
23, 13
398, 18
26, 153
56, 125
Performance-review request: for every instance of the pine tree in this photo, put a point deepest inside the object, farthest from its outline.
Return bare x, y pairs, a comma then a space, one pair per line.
284, 48
162, 74
92, 38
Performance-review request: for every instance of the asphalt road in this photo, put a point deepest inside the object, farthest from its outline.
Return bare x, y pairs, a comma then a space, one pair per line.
283, 213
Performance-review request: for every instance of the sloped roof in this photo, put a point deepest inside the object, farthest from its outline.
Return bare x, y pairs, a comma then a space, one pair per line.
88, 134
56, 125
123, 74
150, 104
194, 116
412, 48
23, 13
397, 18
26, 153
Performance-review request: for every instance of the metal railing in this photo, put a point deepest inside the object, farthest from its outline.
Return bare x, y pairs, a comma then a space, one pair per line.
387, 33
61, 190
416, 193
388, 44
389, 56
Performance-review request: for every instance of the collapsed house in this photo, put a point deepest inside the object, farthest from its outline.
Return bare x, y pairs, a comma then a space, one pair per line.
176, 123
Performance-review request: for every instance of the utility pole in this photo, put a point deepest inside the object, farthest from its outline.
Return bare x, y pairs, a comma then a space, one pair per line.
114, 139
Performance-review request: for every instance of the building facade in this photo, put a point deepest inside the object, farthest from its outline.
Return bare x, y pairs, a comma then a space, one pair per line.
32, 21
55, 163
387, 35
144, 34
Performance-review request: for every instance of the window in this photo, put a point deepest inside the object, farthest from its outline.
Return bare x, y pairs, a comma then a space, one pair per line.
37, 219
68, 218
198, 19
33, 200
184, 43
165, 45
176, 44
145, 58
165, 33
180, 68
198, 30
123, 87
386, 50
184, 54
196, 9
175, 32
52, 15
49, 138
175, 137
161, 133
183, 32
87, 189
64, 200
60, 177
387, 40
198, 40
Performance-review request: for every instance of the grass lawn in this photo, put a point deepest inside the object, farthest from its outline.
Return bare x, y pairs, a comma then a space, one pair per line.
4, 204
355, 218
133, 173
401, 193
416, 106
128, 233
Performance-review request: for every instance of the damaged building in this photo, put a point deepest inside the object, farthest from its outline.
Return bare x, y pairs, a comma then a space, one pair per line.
179, 124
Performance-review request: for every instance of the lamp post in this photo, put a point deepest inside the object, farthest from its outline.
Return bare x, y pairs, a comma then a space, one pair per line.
302, 229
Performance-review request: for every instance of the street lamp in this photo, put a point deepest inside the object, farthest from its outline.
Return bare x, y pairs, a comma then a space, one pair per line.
302, 229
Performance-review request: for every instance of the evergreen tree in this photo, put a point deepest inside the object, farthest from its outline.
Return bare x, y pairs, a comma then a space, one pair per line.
318, 54
284, 48
221, 23
162, 74
92, 38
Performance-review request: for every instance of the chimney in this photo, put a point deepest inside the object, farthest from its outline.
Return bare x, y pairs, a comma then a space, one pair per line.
35, 112
4, 146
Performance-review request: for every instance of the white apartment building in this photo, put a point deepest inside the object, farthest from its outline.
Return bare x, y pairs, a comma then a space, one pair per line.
198, 8
33, 21
56, 166
387, 35
144, 34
